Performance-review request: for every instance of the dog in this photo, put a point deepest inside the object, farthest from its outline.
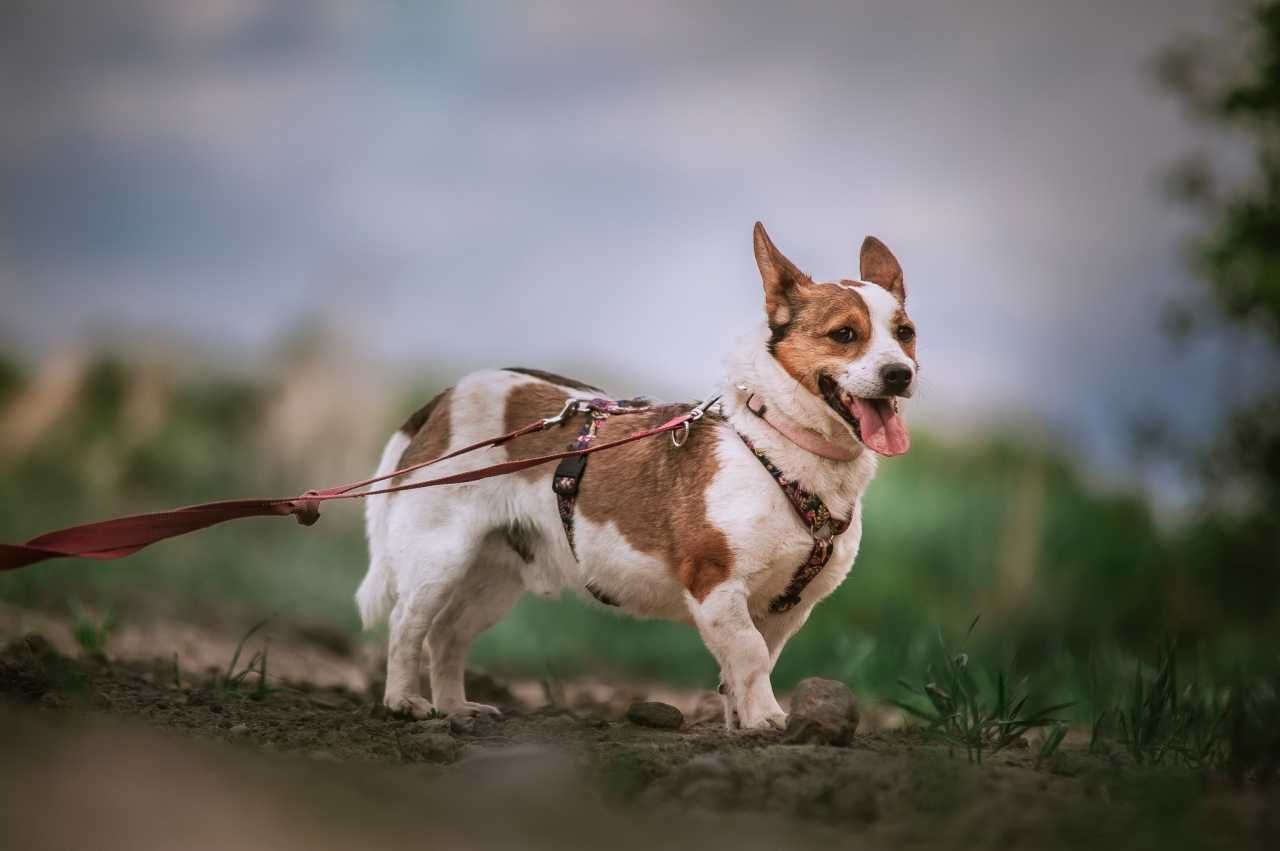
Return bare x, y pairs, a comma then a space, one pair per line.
739, 531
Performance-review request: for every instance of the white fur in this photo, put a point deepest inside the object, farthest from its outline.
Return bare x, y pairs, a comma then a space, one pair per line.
441, 569
862, 376
373, 597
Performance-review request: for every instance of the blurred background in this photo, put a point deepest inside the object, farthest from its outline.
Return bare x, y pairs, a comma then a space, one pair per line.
241, 240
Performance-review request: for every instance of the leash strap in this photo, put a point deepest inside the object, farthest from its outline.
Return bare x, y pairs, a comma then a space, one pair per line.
123, 536
817, 519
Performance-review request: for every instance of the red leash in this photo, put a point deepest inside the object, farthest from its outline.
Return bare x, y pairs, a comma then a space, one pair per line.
124, 536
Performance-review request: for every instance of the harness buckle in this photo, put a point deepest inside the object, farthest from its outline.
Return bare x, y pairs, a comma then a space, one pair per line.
570, 408
700, 410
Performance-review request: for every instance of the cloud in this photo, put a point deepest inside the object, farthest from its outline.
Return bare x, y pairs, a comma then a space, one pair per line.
463, 178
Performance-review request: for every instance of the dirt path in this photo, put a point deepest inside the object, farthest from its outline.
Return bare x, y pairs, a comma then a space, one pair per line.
123, 743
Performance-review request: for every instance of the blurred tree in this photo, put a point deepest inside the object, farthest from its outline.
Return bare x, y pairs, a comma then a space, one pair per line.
1231, 83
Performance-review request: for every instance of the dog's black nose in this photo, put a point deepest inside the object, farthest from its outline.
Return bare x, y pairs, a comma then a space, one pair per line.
896, 378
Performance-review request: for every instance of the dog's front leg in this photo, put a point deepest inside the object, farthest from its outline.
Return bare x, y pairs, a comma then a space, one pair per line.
725, 624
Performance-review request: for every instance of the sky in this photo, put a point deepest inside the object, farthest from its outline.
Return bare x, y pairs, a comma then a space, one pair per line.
573, 186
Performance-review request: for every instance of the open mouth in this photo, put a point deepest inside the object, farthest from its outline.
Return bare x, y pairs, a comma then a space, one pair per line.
875, 422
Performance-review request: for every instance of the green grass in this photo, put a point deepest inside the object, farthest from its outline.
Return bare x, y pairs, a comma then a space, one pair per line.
236, 679
959, 703
92, 632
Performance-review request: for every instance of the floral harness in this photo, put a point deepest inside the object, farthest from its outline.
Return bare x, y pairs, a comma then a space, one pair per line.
810, 508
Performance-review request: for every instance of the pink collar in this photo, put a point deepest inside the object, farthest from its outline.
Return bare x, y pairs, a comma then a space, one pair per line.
806, 438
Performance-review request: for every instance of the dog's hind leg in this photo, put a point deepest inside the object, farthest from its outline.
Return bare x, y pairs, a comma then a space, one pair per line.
488, 591
443, 566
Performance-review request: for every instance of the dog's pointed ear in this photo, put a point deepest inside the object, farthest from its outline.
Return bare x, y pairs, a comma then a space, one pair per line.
877, 264
780, 277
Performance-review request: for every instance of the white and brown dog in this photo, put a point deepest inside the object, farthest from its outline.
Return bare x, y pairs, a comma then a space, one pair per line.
700, 533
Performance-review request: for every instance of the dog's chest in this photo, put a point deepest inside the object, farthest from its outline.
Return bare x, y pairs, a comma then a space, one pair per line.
780, 552
745, 531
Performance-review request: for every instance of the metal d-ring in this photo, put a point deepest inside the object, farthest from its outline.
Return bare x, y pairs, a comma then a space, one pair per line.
683, 431
695, 414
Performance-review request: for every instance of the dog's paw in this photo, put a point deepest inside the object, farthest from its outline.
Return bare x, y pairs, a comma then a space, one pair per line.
411, 706
769, 721
467, 707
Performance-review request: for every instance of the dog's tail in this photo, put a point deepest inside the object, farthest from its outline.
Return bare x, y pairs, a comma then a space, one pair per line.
373, 597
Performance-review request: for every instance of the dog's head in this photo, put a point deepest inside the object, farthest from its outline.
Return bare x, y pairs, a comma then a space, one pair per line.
849, 343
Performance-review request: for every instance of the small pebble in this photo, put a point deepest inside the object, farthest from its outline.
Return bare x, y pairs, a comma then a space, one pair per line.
651, 713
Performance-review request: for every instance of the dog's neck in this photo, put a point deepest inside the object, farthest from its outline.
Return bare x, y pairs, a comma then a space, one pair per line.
839, 483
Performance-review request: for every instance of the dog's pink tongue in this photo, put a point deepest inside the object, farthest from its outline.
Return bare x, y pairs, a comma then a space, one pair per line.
882, 429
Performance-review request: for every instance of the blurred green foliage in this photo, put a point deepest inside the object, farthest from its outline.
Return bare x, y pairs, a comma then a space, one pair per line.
1230, 82
1064, 576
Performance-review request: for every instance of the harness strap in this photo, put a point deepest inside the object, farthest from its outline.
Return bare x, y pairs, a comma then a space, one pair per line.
568, 475
817, 519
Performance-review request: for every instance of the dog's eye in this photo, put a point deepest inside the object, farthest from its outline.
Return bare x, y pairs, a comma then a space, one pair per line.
906, 333
843, 335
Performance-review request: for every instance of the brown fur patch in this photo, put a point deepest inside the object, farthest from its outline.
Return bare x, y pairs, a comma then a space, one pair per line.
877, 264
430, 435
654, 492
554, 379
526, 403
808, 349
419, 417
899, 320
781, 278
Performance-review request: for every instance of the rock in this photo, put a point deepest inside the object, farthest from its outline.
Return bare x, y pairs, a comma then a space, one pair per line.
239, 730
651, 713
433, 725
823, 712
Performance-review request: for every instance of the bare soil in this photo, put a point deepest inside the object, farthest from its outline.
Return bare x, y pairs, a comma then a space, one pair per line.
136, 752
